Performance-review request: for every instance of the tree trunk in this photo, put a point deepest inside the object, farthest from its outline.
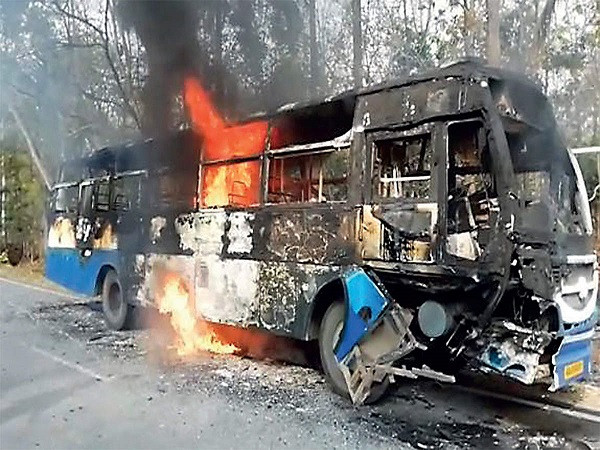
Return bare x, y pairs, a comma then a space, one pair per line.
357, 43
218, 51
536, 57
312, 25
493, 32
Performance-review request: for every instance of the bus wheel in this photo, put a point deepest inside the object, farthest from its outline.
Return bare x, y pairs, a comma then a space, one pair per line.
117, 312
329, 335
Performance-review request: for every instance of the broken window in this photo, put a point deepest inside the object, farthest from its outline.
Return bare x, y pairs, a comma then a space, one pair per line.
66, 199
86, 198
314, 177
103, 196
471, 198
174, 191
232, 183
402, 167
126, 193
546, 185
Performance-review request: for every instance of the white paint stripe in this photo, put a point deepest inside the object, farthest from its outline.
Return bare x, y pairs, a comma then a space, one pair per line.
69, 364
45, 290
578, 414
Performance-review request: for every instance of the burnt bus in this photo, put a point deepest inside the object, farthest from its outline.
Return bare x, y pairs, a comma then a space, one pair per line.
441, 214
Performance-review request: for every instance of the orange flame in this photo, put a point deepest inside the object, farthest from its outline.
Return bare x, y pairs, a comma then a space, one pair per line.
236, 183
192, 335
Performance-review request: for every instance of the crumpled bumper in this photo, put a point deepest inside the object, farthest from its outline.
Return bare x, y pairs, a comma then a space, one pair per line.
572, 362
375, 336
515, 352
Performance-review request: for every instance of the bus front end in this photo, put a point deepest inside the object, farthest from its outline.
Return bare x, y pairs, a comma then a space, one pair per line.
480, 246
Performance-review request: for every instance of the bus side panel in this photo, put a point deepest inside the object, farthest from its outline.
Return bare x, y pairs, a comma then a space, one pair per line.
235, 282
69, 268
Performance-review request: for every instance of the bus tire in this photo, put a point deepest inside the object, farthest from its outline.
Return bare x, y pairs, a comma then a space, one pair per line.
117, 312
329, 334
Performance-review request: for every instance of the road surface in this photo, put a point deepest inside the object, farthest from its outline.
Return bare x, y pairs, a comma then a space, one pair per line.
66, 382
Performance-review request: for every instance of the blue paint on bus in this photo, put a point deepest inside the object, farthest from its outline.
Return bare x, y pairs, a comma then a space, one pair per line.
362, 293
69, 268
573, 355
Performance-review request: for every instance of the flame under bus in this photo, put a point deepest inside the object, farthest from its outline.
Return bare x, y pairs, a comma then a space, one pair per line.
443, 211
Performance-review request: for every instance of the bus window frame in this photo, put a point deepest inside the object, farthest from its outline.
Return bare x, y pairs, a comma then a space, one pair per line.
130, 205
55, 190
88, 210
343, 142
301, 151
96, 195
433, 129
222, 162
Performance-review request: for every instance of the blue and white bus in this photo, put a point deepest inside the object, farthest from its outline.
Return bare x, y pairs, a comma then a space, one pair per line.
438, 214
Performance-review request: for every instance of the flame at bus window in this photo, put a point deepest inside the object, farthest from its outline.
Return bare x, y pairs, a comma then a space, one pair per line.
232, 183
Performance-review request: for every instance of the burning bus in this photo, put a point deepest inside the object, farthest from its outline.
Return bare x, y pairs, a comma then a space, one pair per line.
441, 214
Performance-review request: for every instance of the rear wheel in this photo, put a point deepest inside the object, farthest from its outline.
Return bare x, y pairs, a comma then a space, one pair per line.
329, 336
117, 312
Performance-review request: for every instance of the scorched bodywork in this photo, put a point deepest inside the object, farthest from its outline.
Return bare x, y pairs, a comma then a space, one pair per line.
442, 212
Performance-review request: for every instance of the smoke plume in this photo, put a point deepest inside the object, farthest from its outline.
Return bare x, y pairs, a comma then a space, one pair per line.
169, 32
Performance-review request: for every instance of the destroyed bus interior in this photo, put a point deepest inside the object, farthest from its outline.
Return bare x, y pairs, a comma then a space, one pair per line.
435, 216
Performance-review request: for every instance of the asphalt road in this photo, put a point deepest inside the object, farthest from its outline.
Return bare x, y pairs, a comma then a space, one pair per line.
67, 383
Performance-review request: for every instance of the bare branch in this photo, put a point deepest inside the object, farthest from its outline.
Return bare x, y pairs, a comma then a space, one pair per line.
77, 18
34, 152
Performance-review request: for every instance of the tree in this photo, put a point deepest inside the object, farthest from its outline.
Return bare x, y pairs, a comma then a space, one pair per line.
312, 20
493, 32
22, 199
357, 43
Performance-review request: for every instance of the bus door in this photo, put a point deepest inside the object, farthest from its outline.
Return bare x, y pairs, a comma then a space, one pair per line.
126, 222
84, 231
472, 202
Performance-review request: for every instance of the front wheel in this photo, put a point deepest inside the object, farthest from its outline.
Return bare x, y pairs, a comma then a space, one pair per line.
117, 312
329, 336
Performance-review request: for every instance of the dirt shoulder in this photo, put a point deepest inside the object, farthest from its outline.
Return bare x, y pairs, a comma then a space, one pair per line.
31, 274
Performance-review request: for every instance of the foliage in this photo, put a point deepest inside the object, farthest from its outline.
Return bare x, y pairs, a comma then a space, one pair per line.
75, 70
22, 201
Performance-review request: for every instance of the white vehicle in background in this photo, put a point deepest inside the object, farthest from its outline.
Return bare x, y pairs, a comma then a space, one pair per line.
587, 151
593, 193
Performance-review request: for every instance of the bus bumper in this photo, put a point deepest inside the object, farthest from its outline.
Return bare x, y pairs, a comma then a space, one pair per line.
376, 335
572, 362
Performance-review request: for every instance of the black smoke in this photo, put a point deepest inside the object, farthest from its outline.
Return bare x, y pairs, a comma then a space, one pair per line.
184, 37
169, 32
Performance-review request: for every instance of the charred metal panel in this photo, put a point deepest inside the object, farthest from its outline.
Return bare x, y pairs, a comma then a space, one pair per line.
279, 295
202, 232
158, 266
536, 271
61, 233
317, 234
397, 234
230, 287
287, 293
417, 103
227, 290
239, 233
